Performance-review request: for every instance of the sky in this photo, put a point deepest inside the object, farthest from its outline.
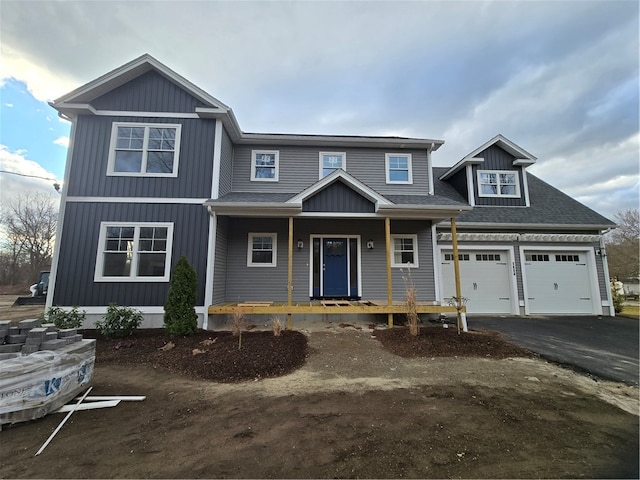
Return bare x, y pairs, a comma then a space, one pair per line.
560, 79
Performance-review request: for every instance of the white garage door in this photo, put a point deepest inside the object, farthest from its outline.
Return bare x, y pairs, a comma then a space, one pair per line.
485, 280
558, 282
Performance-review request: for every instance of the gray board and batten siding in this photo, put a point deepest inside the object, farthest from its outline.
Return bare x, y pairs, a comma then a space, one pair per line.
338, 197
299, 168
79, 246
88, 177
226, 164
243, 283
150, 92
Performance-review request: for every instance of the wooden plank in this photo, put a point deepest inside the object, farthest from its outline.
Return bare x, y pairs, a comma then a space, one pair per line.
254, 304
88, 406
124, 398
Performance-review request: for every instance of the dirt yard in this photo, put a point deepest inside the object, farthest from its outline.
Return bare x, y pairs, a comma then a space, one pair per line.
351, 408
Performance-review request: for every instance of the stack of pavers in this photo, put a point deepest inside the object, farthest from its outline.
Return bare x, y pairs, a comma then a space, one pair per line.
27, 337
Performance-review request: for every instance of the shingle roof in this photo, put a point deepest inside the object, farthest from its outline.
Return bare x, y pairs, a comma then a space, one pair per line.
549, 206
253, 197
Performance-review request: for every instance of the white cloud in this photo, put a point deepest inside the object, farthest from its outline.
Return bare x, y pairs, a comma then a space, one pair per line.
9, 105
22, 175
62, 141
42, 83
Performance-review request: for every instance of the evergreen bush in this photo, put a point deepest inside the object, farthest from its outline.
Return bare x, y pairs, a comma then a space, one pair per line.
62, 318
119, 321
180, 316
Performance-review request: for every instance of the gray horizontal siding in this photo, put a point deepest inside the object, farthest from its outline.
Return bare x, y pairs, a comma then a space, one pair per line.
91, 153
249, 283
299, 168
150, 92
337, 197
495, 158
79, 246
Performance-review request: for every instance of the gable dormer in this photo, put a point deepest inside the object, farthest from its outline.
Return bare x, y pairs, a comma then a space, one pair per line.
493, 174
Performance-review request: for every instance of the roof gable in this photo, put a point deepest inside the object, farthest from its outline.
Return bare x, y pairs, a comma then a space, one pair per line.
521, 156
350, 181
132, 70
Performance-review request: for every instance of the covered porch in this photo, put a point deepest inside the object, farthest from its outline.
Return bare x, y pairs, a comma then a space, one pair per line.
388, 306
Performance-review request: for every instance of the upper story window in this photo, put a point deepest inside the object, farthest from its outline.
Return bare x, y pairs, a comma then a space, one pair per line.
149, 150
398, 166
404, 250
498, 183
264, 165
261, 251
130, 252
330, 161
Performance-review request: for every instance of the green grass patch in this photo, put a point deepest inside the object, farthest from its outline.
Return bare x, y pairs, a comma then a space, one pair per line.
631, 311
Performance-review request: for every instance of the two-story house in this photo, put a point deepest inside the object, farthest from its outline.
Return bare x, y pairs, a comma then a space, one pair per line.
157, 168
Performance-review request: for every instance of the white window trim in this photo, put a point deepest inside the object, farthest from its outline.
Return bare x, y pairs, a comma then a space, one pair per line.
321, 154
498, 195
112, 149
394, 264
274, 259
254, 166
99, 277
409, 168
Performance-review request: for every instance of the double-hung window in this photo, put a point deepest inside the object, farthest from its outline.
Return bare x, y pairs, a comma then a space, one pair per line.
262, 250
404, 250
130, 252
150, 150
331, 161
498, 183
264, 165
398, 166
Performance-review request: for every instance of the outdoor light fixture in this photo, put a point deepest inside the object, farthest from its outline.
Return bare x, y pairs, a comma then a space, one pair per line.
370, 244
300, 244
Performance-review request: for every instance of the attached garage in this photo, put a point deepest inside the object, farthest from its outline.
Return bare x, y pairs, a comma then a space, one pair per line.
559, 282
486, 280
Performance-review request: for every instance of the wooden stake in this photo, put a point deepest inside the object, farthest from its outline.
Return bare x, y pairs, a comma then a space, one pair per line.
290, 274
387, 242
62, 423
456, 269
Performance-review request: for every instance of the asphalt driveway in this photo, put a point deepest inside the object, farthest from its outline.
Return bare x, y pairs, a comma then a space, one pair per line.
607, 348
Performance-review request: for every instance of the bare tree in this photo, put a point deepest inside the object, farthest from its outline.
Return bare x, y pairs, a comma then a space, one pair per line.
29, 225
623, 246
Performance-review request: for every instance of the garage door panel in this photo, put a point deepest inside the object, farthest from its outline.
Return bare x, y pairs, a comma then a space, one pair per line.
558, 282
484, 280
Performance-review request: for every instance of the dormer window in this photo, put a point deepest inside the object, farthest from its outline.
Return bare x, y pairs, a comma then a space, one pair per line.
498, 183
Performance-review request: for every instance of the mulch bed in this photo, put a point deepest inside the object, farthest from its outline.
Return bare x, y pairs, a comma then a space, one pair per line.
445, 342
215, 355
207, 355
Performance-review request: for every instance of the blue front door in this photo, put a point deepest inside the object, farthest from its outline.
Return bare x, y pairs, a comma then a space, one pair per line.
335, 267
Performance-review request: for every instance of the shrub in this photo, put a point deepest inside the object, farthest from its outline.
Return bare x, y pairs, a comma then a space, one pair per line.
410, 301
618, 300
62, 318
180, 316
119, 321
277, 325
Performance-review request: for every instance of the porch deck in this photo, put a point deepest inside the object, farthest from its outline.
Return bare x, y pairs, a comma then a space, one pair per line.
342, 307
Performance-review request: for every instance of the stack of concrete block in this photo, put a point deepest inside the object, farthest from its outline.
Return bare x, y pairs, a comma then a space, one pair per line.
27, 337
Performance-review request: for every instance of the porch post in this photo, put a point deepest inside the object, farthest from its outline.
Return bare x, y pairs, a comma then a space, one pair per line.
387, 241
290, 275
456, 269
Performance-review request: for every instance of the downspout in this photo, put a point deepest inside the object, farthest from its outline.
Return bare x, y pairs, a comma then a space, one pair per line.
607, 278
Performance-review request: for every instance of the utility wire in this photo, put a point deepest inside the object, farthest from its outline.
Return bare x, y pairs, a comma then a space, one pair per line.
25, 175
